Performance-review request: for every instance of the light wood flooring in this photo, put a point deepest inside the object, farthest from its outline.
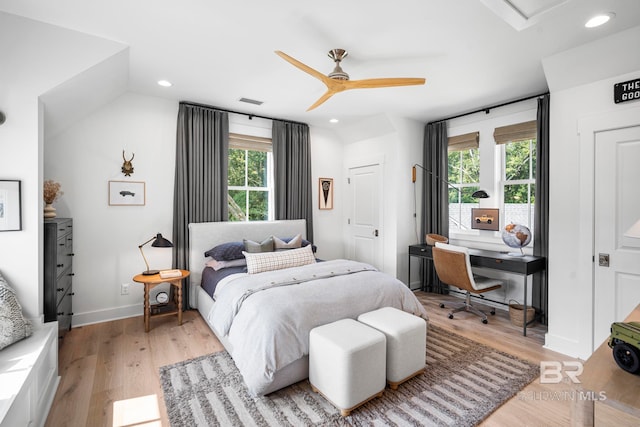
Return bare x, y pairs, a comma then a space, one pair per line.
109, 371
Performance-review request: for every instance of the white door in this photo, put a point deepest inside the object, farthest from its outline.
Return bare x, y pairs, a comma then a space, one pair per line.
365, 233
617, 207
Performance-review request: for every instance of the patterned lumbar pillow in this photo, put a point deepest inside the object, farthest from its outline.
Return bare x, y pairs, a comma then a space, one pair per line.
269, 261
13, 325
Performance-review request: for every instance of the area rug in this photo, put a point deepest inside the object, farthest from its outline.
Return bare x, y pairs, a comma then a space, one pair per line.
464, 382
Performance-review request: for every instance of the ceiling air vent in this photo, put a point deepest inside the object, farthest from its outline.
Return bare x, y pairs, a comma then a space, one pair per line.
251, 101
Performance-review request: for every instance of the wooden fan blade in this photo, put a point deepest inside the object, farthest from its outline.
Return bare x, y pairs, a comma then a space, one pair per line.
318, 75
383, 82
328, 94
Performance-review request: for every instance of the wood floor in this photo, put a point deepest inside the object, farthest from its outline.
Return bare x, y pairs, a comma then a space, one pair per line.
109, 371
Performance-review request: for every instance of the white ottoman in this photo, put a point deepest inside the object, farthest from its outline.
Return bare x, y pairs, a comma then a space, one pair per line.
347, 362
406, 342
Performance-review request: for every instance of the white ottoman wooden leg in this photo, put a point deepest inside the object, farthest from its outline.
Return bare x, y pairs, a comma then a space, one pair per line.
406, 342
347, 361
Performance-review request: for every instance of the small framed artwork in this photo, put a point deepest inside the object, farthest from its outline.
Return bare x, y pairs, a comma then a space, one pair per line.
10, 205
127, 193
485, 219
325, 193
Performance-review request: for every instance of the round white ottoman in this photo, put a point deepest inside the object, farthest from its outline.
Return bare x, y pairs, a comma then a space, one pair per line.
347, 362
406, 342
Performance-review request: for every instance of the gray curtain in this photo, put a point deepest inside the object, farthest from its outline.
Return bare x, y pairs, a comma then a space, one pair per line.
200, 191
435, 201
292, 170
541, 217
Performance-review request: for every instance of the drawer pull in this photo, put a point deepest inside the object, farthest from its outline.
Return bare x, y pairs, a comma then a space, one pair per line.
60, 244
423, 250
60, 313
498, 261
60, 265
72, 294
71, 274
60, 289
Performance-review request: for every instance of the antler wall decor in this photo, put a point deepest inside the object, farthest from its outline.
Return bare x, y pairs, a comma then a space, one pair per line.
127, 166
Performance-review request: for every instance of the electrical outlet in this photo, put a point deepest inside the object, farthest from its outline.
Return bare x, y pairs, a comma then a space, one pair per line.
124, 289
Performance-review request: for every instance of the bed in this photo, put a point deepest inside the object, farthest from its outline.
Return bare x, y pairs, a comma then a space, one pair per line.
263, 320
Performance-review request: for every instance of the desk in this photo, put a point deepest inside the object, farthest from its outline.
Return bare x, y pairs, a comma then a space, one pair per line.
524, 265
150, 282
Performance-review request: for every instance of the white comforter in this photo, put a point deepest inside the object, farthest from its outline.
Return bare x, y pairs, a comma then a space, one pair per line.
267, 317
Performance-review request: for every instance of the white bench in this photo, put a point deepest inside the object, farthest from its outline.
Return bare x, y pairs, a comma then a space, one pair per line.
347, 362
29, 377
406, 342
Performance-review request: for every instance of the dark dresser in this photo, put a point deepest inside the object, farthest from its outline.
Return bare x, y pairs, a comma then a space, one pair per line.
58, 272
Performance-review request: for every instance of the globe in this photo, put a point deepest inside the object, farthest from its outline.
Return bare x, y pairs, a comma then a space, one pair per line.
516, 236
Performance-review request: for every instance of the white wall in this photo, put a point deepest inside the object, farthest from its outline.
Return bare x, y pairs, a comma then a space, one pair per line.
396, 143
570, 263
571, 232
35, 58
83, 159
88, 154
326, 162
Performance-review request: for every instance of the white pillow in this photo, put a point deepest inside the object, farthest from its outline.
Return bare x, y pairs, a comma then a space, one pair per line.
281, 245
269, 261
219, 265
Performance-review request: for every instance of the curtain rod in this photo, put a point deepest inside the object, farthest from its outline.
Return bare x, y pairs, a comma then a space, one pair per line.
251, 116
487, 109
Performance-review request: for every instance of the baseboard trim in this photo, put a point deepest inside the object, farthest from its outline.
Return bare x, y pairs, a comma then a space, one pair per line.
564, 346
107, 315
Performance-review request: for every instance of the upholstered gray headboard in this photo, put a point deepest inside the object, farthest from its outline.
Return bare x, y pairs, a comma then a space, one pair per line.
205, 235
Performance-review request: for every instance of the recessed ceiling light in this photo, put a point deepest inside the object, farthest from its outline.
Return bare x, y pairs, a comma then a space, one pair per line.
334, 121
600, 19
164, 83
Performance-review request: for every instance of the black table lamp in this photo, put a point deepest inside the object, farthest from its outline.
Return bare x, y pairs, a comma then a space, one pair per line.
158, 242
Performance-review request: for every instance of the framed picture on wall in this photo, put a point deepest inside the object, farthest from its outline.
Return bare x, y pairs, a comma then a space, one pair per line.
485, 219
325, 193
10, 205
127, 193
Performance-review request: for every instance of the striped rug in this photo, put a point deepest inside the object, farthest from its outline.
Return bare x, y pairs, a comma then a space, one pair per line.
464, 382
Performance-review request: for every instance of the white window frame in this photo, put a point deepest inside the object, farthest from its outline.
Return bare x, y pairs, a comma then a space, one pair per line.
251, 143
456, 217
504, 182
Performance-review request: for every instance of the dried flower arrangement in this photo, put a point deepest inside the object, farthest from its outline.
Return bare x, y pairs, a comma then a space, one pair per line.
51, 191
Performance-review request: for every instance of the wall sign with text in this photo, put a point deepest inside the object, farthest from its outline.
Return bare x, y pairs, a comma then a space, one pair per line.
626, 91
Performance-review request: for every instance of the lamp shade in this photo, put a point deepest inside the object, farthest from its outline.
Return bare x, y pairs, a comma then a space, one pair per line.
480, 194
161, 242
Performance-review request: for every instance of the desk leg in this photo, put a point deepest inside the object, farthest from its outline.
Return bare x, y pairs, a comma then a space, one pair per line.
147, 314
179, 304
524, 322
409, 274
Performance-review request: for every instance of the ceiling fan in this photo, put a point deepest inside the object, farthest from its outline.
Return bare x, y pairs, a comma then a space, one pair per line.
338, 80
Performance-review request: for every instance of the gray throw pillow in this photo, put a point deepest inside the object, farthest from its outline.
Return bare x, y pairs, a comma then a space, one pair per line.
13, 325
255, 247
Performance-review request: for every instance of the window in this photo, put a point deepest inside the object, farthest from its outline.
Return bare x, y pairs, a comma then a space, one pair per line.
250, 182
518, 145
464, 178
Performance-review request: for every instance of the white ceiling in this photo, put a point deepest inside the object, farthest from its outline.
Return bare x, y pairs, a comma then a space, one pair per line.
473, 53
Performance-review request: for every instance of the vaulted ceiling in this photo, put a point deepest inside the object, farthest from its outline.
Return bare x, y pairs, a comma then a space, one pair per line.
473, 53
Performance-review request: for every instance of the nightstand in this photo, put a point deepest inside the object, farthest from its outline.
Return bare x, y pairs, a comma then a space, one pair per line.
172, 307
